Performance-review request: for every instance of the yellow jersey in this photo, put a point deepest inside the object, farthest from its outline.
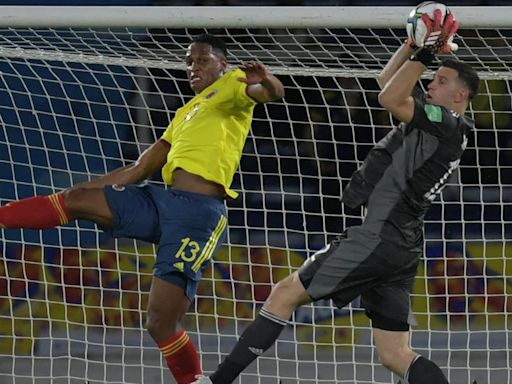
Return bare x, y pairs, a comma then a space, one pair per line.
208, 133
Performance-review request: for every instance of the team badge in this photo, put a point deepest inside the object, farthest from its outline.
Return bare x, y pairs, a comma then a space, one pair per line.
118, 187
211, 94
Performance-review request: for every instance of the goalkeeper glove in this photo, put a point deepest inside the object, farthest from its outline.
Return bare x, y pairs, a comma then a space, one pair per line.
439, 37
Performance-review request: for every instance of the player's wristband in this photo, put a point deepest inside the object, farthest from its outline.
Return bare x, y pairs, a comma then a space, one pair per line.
424, 56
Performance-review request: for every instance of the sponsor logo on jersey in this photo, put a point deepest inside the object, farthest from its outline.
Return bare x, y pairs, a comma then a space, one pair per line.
118, 187
179, 266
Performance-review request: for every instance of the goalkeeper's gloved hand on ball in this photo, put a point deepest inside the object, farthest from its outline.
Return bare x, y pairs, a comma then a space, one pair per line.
439, 35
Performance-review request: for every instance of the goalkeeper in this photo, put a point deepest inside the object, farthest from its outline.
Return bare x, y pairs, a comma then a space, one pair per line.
198, 155
397, 183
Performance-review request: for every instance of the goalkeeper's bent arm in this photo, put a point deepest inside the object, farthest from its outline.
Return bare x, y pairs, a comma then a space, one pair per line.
402, 54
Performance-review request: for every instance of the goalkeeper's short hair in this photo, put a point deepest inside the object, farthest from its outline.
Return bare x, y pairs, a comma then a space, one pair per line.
466, 73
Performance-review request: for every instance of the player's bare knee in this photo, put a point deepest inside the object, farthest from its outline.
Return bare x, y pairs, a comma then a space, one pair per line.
394, 359
387, 358
73, 198
159, 326
153, 326
286, 291
87, 203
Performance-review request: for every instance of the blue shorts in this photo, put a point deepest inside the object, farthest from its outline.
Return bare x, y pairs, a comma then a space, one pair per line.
189, 228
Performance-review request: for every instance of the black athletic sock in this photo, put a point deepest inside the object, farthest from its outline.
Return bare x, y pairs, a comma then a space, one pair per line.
424, 371
256, 339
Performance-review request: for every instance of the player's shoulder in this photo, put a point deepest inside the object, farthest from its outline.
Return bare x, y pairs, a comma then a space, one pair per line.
233, 74
230, 77
439, 114
452, 124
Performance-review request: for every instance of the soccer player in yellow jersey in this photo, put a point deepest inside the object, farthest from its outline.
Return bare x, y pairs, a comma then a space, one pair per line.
198, 155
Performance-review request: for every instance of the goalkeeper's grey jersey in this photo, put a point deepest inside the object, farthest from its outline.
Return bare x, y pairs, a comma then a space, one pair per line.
405, 171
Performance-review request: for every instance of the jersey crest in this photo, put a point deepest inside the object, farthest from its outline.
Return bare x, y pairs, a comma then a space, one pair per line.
211, 94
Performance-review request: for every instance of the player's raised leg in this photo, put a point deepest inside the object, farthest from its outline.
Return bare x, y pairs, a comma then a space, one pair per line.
42, 212
38, 212
84, 201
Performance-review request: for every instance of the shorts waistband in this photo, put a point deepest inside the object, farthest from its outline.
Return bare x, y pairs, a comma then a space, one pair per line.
195, 195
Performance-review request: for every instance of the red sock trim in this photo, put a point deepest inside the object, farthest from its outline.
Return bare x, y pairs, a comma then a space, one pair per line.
181, 357
38, 212
174, 344
57, 200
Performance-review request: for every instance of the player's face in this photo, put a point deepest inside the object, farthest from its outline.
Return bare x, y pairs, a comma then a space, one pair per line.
446, 88
204, 66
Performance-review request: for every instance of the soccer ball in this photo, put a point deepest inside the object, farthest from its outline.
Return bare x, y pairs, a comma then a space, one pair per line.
416, 29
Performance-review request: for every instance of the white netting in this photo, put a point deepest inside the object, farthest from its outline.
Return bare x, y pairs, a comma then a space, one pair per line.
78, 102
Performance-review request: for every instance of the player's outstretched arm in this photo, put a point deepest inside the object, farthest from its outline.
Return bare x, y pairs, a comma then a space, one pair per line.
262, 86
148, 163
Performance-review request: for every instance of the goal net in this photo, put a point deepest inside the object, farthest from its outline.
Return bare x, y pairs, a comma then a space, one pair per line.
78, 101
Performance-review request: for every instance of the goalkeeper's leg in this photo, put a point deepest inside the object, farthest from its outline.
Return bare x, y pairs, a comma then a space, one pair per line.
396, 355
285, 297
42, 212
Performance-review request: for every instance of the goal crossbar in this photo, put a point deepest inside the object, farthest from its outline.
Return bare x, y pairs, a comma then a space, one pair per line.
31, 27
233, 17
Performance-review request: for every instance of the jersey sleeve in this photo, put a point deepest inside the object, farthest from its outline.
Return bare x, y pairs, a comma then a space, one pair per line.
167, 135
418, 93
433, 119
242, 99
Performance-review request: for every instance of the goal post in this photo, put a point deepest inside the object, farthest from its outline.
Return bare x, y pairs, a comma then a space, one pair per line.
84, 90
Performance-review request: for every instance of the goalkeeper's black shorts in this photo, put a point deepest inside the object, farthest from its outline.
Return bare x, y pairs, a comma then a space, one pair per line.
361, 263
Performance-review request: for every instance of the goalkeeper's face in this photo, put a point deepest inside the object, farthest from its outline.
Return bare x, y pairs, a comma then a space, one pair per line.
204, 65
448, 90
